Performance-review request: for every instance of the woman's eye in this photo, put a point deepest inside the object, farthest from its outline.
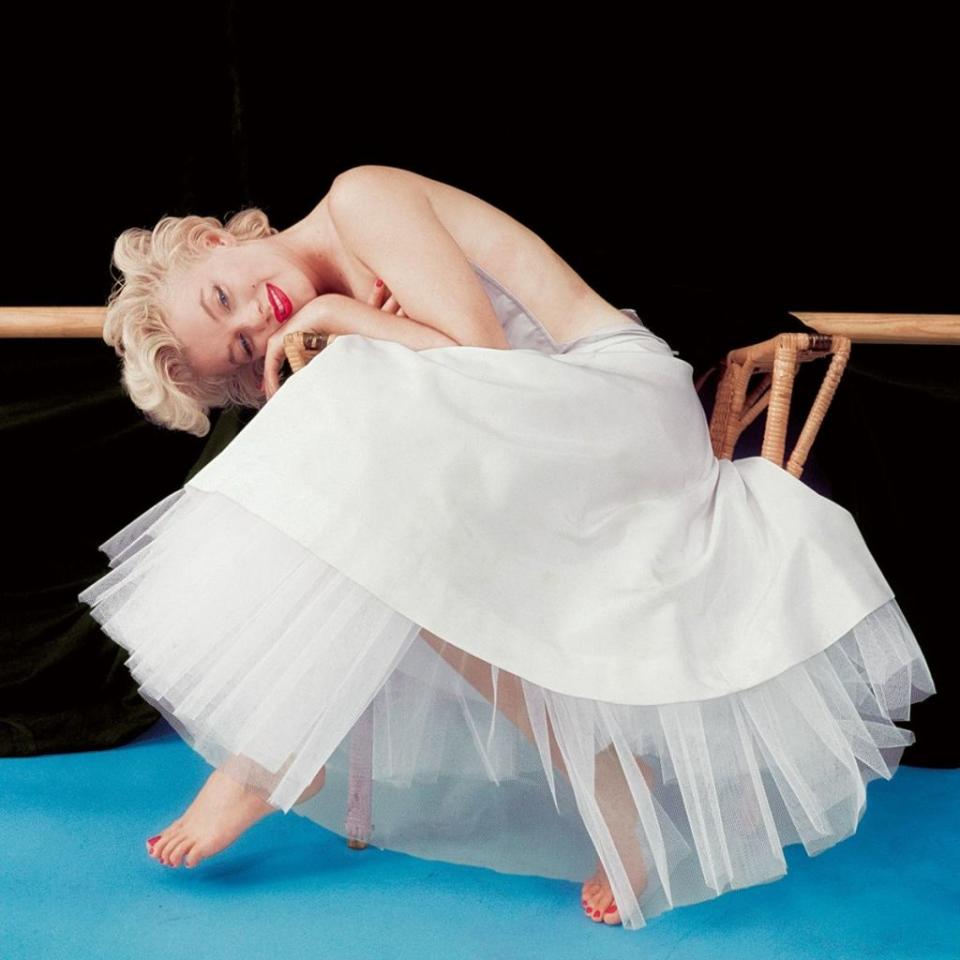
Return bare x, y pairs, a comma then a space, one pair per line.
246, 346
221, 299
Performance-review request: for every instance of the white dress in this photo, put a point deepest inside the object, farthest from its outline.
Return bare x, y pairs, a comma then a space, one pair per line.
556, 512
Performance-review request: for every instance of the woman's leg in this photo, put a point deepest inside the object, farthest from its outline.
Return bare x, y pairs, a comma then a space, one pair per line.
510, 700
612, 792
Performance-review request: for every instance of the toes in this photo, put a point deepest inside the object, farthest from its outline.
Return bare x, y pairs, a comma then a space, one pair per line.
609, 912
193, 856
177, 851
592, 893
589, 897
600, 906
173, 851
594, 907
611, 915
165, 844
156, 851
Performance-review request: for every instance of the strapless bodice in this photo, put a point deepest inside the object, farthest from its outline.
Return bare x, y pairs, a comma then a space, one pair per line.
524, 330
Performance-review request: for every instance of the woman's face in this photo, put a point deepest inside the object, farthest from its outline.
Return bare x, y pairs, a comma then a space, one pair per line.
223, 308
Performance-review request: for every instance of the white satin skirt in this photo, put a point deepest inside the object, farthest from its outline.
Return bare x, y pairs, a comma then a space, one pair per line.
574, 635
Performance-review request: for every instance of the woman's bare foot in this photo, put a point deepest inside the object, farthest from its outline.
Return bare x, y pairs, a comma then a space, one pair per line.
619, 811
220, 812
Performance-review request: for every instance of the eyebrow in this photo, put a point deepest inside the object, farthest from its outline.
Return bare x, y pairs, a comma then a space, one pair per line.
216, 319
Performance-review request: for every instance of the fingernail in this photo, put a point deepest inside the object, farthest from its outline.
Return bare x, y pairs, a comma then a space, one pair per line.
379, 282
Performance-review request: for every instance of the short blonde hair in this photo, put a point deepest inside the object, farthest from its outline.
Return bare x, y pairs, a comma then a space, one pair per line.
156, 375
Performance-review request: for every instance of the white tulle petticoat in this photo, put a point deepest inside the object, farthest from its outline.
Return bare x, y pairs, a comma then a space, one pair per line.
266, 656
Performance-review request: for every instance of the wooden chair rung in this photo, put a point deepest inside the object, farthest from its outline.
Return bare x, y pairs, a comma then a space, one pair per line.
777, 361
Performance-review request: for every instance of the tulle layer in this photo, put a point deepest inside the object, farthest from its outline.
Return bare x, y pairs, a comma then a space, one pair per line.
272, 665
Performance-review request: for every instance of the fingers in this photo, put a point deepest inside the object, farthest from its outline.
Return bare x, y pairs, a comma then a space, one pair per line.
273, 361
312, 317
383, 299
379, 294
392, 306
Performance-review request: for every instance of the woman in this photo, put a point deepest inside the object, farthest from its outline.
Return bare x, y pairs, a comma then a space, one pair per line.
198, 320
497, 499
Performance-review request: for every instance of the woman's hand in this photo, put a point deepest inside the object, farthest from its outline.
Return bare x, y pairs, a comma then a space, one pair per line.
308, 318
382, 299
385, 300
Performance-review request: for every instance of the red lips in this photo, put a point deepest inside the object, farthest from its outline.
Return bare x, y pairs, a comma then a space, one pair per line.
282, 308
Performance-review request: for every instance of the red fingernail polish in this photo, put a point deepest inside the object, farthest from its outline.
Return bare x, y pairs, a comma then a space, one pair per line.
379, 282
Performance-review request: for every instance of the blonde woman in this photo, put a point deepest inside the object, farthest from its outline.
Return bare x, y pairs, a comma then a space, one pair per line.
485, 525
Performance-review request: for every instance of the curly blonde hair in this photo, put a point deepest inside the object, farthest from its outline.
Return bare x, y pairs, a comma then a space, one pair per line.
156, 375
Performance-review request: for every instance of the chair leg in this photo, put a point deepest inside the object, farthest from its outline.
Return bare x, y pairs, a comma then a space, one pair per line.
359, 828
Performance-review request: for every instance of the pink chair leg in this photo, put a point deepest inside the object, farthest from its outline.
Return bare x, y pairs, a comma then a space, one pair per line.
358, 825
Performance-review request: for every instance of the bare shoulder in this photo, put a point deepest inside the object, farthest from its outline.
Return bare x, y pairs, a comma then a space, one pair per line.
376, 169
388, 223
377, 173
356, 181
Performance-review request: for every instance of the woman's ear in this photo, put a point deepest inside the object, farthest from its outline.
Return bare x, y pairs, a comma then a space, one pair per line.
219, 238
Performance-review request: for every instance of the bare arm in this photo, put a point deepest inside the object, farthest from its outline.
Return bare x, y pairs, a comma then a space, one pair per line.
339, 314
387, 221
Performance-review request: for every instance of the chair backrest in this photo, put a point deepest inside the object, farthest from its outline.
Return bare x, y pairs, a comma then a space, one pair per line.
776, 361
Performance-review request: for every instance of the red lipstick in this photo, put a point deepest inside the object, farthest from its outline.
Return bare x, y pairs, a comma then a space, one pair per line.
282, 307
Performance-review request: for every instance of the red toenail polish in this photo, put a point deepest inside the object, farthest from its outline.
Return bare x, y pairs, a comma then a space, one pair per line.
153, 840
611, 908
596, 913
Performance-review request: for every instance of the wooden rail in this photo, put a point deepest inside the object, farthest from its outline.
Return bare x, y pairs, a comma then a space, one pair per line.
919, 328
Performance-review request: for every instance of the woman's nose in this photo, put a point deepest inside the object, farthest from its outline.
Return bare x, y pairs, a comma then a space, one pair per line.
254, 324
252, 317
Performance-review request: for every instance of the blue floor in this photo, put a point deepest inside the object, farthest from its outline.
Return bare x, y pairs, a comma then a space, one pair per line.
77, 883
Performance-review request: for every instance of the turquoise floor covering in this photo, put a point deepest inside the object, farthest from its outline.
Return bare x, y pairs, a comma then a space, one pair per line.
76, 882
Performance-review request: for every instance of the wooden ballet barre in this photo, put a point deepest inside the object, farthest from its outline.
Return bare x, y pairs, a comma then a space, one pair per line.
52, 321
918, 328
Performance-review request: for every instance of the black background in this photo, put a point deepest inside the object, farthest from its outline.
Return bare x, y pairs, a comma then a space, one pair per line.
714, 185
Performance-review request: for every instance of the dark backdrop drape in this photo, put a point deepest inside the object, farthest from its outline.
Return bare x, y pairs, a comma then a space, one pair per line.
711, 221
